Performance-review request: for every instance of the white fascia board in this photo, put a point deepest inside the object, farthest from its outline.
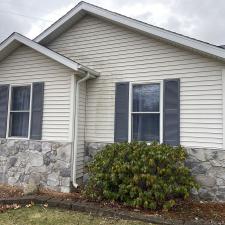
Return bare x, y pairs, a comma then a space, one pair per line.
45, 51
59, 23
16, 39
160, 33
157, 32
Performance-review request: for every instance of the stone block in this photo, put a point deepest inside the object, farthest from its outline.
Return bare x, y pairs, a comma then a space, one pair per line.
12, 180
198, 154
199, 168
65, 181
65, 189
12, 161
64, 153
46, 147
206, 194
35, 145
36, 159
206, 181
65, 172
53, 180
56, 146
49, 157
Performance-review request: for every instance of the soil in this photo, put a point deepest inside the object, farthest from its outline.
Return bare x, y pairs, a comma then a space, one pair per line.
188, 209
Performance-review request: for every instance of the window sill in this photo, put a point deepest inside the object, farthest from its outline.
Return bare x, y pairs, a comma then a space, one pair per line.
20, 138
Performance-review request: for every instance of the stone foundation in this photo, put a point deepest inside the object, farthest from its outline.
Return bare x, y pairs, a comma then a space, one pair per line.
208, 167
25, 163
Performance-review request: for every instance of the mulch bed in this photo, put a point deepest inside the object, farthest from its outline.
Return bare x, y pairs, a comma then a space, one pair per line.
7, 191
191, 210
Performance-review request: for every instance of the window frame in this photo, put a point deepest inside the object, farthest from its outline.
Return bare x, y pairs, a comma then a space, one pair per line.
131, 84
10, 111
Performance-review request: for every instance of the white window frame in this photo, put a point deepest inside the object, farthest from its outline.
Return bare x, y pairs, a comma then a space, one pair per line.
131, 84
9, 110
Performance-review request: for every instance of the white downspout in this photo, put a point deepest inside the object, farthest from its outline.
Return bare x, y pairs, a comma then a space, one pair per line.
76, 120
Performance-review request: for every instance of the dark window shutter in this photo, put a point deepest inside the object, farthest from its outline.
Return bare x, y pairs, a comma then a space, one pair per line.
37, 111
4, 99
171, 112
121, 112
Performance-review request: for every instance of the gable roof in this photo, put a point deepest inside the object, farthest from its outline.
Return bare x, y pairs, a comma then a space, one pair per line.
16, 40
83, 8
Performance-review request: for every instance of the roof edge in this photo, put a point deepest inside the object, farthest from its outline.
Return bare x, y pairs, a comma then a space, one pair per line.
157, 32
20, 39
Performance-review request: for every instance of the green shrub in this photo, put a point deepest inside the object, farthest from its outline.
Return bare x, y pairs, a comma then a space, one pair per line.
140, 175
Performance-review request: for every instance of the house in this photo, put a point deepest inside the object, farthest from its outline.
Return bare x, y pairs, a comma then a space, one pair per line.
95, 77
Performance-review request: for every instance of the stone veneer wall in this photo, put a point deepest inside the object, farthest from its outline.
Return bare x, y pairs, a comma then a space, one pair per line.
208, 167
47, 164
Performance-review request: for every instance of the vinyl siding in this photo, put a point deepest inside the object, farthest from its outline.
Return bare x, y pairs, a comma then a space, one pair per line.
120, 54
81, 129
25, 66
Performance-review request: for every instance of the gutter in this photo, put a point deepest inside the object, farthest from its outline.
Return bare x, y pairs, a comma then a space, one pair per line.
84, 70
76, 121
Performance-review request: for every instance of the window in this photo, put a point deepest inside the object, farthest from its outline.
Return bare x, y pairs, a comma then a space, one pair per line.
19, 114
145, 112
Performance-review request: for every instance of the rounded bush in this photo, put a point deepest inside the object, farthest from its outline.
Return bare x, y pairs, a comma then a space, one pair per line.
140, 175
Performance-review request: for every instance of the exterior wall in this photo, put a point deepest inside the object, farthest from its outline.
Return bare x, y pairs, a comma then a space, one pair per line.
81, 132
27, 163
47, 162
26, 66
120, 54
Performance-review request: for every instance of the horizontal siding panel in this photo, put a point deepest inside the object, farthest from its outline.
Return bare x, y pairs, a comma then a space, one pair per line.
25, 66
120, 54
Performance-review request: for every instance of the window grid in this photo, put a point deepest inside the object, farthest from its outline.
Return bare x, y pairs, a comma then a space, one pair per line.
131, 112
19, 111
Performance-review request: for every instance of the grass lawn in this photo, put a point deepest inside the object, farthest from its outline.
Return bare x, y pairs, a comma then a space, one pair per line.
49, 216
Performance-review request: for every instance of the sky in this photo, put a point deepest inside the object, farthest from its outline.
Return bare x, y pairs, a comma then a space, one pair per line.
200, 19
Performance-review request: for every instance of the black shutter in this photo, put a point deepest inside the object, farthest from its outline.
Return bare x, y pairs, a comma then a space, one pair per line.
171, 112
4, 99
121, 112
37, 111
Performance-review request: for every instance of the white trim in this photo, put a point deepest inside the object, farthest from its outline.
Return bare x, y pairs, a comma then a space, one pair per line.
12, 111
45, 51
30, 113
129, 112
72, 107
8, 116
161, 112
76, 127
223, 105
15, 37
79, 10
145, 112
131, 84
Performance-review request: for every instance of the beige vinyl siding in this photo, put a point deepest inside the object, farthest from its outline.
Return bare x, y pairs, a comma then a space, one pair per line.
25, 66
120, 54
81, 130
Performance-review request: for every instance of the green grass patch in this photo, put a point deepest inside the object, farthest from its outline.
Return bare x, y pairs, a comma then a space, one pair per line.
37, 215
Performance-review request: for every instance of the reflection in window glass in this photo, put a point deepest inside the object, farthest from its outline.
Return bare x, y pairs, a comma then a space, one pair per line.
146, 112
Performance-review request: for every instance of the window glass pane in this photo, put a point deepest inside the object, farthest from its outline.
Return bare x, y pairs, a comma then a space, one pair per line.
19, 122
20, 98
146, 98
146, 127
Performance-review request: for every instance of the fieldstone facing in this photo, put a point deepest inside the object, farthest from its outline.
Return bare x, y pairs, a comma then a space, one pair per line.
35, 163
207, 165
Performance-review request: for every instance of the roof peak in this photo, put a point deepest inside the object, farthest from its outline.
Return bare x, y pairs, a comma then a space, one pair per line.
83, 8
